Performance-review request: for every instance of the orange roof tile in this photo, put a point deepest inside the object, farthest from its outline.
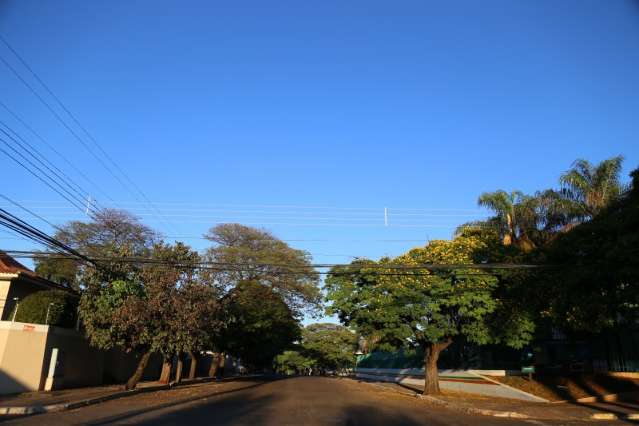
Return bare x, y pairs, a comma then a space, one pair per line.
8, 265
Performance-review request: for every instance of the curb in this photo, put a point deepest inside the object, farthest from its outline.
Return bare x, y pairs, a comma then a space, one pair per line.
517, 415
614, 416
468, 410
52, 408
503, 414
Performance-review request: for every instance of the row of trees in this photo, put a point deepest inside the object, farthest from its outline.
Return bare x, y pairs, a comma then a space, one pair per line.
323, 347
148, 296
245, 295
582, 237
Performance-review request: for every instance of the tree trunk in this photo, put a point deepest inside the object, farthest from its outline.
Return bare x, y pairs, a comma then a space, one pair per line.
222, 364
509, 237
431, 356
180, 366
215, 362
193, 368
165, 376
137, 375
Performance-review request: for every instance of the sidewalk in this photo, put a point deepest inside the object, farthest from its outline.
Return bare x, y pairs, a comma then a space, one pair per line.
540, 410
44, 402
499, 407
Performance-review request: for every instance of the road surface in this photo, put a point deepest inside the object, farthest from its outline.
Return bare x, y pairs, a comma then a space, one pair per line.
293, 401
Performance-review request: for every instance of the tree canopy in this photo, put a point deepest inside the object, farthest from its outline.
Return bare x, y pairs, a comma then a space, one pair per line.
331, 346
421, 307
248, 254
260, 324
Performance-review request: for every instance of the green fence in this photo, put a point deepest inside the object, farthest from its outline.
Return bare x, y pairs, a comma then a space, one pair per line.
401, 359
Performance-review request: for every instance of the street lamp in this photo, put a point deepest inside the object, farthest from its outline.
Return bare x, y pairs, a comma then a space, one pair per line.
17, 300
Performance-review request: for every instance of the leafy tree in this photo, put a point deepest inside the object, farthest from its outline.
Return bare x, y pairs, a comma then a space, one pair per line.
114, 315
112, 234
180, 310
332, 346
161, 308
397, 303
260, 324
61, 307
595, 280
199, 321
249, 254
293, 362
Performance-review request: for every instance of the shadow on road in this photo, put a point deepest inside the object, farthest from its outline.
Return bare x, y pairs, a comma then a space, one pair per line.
296, 404
135, 413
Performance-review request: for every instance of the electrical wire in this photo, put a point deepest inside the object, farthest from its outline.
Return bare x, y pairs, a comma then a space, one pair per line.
73, 133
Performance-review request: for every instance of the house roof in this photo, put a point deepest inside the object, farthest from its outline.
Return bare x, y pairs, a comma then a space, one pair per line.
8, 265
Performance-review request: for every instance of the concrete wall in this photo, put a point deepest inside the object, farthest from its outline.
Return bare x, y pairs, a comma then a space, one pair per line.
26, 350
22, 352
469, 381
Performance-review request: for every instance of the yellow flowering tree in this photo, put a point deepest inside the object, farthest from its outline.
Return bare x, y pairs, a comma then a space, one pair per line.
426, 298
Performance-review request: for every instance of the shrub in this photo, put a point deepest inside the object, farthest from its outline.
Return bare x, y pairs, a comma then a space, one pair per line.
62, 307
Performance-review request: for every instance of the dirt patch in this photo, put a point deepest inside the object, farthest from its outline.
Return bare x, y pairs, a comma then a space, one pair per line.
560, 388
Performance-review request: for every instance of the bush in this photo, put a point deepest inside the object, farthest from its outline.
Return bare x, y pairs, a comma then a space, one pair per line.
62, 307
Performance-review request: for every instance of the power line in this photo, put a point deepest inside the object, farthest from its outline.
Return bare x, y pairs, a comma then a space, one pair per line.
64, 124
30, 212
372, 210
37, 156
18, 225
35, 174
351, 268
58, 153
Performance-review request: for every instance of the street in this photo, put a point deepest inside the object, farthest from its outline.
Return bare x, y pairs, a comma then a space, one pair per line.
292, 401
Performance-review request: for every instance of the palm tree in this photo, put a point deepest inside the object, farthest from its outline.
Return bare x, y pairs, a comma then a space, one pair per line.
515, 215
592, 187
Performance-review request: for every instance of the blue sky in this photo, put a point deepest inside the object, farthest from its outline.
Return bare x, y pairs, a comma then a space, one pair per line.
312, 117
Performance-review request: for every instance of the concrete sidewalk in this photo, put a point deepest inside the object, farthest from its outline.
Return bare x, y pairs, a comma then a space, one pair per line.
499, 407
45, 402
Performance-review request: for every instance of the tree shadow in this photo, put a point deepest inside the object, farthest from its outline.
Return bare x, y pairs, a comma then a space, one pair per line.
260, 410
155, 408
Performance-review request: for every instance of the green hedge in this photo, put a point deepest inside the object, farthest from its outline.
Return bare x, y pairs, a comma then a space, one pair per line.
62, 307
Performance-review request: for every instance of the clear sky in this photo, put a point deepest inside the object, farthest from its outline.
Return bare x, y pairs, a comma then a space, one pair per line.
312, 117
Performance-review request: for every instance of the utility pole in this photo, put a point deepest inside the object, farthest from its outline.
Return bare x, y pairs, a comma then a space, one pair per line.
46, 321
88, 204
385, 216
17, 300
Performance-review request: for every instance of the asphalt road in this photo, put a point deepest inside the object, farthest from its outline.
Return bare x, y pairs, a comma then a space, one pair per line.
293, 401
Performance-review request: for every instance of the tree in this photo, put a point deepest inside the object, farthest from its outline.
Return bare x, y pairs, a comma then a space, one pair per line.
293, 362
592, 187
110, 235
52, 307
515, 216
398, 303
161, 307
332, 346
199, 320
594, 285
260, 324
114, 315
180, 309
248, 254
